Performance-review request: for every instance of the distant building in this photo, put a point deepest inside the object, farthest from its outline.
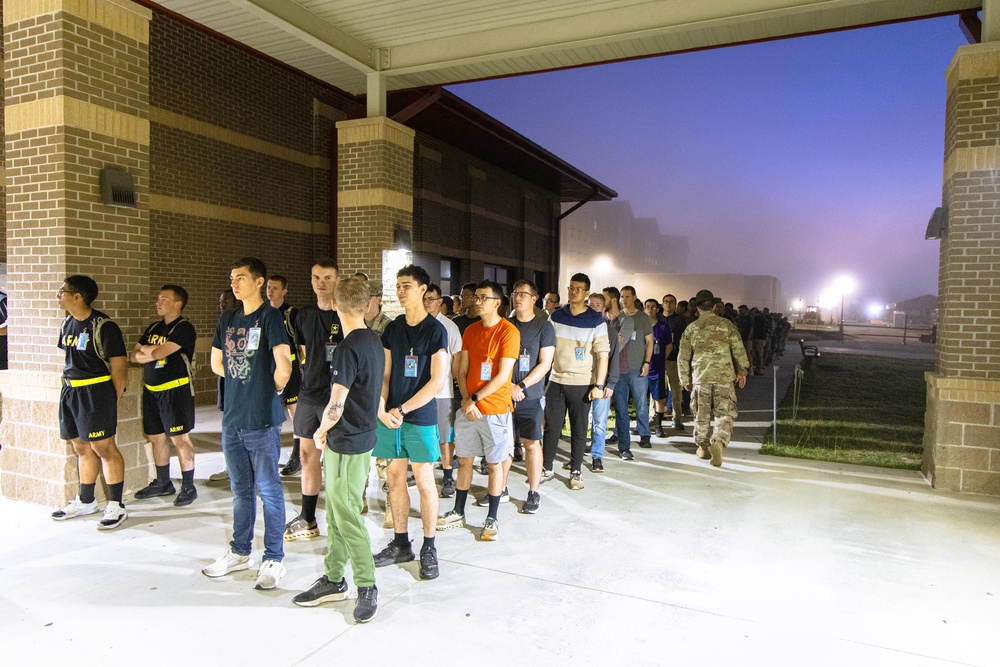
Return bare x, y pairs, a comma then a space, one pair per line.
921, 310
760, 291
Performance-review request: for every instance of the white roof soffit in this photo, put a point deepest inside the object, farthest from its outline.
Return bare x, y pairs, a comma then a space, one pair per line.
433, 42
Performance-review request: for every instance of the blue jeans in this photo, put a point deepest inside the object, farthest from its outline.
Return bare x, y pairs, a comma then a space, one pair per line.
252, 462
599, 410
638, 387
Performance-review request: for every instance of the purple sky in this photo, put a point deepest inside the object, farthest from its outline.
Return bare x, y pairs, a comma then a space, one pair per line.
804, 158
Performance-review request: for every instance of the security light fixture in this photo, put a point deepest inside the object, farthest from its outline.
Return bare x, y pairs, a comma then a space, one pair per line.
401, 238
937, 227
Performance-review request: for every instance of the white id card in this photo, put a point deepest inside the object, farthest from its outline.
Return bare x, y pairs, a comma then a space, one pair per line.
579, 353
633, 335
486, 371
410, 366
656, 347
81, 342
253, 338
524, 363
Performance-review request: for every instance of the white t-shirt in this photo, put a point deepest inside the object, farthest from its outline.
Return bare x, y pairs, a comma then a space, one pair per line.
454, 347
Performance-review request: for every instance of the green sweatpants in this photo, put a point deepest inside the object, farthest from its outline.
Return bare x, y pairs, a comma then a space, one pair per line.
347, 537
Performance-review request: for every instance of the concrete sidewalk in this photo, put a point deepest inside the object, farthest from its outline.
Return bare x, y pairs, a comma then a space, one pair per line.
664, 560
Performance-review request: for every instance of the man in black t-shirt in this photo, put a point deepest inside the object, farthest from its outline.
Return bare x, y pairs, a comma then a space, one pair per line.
317, 334
165, 350
277, 289
94, 379
347, 430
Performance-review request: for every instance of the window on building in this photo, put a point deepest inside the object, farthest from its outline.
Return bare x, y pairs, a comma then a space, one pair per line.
449, 276
499, 274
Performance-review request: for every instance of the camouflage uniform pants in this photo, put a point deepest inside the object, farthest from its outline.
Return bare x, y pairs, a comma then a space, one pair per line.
713, 400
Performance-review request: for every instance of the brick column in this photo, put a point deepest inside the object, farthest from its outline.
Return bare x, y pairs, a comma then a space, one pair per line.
76, 101
374, 193
962, 423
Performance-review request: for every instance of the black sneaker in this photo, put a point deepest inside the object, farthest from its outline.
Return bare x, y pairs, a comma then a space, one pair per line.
634, 430
530, 505
612, 439
484, 500
678, 426
518, 452
428, 563
155, 489
597, 465
393, 553
644, 442
292, 467
483, 469
626, 454
448, 488
323, 590
186, 496
367, 605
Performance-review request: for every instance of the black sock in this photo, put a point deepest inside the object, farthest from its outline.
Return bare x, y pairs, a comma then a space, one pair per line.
428, 543
494, 507
87, 493
402, 539
187, 478
115, 492
309, 507
295, 449
460, 498
448, 473
163, 473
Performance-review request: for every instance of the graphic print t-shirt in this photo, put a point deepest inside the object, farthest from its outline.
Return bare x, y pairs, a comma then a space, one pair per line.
315, 329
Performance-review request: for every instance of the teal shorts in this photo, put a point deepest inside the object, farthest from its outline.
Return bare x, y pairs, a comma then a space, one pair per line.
409, 441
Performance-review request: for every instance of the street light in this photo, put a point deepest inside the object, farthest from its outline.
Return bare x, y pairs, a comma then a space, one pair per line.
843, 285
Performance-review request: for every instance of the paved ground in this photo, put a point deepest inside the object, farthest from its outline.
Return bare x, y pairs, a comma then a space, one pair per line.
662, 561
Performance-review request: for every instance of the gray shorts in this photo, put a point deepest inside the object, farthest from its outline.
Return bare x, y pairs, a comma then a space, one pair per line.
446, 420
491, 436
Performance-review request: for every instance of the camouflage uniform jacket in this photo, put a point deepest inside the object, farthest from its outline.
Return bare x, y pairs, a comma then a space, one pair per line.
714, 344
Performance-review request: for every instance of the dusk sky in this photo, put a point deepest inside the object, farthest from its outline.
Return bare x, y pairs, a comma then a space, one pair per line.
804, 158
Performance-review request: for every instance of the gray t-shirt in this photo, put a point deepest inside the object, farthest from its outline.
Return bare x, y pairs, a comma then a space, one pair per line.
642, 327
536, 333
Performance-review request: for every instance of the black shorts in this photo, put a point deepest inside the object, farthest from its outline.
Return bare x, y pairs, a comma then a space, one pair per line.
307, 419
528, 419
88, 413
170, 411
291, 394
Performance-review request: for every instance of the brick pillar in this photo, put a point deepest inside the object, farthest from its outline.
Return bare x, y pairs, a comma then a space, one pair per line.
962, 422
76, 100
374, 194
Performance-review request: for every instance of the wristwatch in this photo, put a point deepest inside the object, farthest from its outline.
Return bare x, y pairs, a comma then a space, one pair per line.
475, 398
599, 386
402, 412
521, 385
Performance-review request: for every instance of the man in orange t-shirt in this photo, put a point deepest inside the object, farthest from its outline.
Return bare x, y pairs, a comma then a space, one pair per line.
483, 425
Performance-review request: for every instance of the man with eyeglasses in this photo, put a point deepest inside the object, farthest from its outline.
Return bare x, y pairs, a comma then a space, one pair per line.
444, 399
93, 381
581, 337
551, 302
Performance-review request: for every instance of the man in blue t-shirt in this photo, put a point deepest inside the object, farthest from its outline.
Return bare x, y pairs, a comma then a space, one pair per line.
416, 365
250, 352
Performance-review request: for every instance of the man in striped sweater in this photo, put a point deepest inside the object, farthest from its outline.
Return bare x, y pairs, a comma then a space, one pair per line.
581, 337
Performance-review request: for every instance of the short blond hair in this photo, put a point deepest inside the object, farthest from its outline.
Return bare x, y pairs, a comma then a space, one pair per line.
352, 296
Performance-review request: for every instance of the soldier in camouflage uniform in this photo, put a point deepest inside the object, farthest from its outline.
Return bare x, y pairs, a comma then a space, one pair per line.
709, 347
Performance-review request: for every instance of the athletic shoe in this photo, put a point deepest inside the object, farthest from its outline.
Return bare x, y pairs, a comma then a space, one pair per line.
626, 454
491, 529
484, 500
221, 476
716, 450
115, 515
367, 605
269, 574
292, 467
567, 465
597, 465
518, 453
678, 426
547, 475
483, 468
228, 562
300, 529
634, 430
155, 489
644, 442
76, 508
393, 553
530, 505
575, 482
448, 488
322, 591
612, 439
187, 496
702, 454
411, 481
587, 449
429, 563
451, 519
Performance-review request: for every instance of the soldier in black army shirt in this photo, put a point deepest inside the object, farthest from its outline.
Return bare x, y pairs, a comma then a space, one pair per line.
94, 379
277, 289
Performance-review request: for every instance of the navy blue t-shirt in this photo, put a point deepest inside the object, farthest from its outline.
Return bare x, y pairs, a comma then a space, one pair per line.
358, 364
536, 333
251, 401
421, 341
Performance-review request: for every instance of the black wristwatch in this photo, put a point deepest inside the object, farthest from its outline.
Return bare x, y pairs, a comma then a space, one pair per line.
599, 386
521, 385
475, 399
402, 412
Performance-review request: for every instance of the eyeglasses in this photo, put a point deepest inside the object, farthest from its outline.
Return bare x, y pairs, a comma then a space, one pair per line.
431, 299
479, 298
524, 295
576, 289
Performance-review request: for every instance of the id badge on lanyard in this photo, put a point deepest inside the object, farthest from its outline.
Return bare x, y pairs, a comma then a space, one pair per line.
524, 363
253, 339
486, 371
81, 342
410, 365
330, 347
579, 352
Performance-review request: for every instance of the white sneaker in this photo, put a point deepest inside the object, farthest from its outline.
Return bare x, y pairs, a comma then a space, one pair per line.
269, 574
229, 562
75, 509
220, 476
484, 500
114, 516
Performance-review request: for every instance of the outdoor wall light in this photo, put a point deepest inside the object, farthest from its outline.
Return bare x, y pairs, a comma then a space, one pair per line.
401, 238
937, 227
